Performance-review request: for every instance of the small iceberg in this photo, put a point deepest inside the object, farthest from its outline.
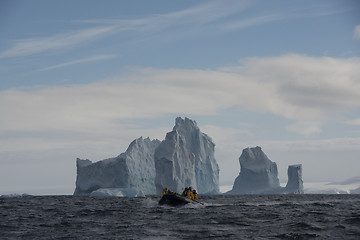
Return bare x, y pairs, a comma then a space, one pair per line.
15, 195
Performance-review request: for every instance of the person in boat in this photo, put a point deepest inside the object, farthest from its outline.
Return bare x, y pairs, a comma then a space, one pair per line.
195, 195
167, 191
184, 192
190, 193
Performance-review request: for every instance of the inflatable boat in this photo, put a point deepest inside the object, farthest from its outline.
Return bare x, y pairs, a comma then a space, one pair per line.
173, 199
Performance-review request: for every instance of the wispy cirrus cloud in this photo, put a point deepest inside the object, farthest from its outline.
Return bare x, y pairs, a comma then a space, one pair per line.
38, 45
250, 22
265, 18
212, 17
82, 60
194, 16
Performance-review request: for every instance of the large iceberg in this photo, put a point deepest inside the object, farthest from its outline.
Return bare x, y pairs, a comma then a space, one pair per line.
259, 175
134, 169
186, 158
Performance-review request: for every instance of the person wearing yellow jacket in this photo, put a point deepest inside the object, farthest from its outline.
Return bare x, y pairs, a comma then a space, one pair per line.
195, 195
189, 194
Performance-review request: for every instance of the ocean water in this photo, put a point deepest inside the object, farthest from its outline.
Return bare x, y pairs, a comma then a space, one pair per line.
219, 217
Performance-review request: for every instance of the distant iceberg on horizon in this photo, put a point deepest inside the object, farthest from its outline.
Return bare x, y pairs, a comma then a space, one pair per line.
348, 186
16, 195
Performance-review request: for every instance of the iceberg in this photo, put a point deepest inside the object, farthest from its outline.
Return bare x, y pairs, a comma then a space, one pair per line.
16, 195
259, 175
186, 158
325, 188
295, 182
349, 186
117, 192
134, 168
352, 185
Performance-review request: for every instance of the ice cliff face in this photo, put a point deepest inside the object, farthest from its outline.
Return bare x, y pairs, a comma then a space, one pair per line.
295, 182
134, 168
259, 175
117, 192
186, 158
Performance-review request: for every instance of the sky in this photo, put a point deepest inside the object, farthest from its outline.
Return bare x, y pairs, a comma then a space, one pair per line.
85, 78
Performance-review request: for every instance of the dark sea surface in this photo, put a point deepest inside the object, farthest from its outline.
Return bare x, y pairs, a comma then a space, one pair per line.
220, 217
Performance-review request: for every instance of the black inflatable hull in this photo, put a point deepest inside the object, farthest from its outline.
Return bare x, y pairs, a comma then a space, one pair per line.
174, 200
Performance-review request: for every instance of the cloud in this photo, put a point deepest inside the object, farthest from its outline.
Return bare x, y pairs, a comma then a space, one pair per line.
211, 17
322, 145
357, 32
353, 122
305, 90
226, 134
38, 45
245, 23
288, 14
306, 128
78, 61
147, 26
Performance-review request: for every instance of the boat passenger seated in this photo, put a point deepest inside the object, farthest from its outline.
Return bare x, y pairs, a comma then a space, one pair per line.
184, 193
195, 195
190, 193
167, 191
